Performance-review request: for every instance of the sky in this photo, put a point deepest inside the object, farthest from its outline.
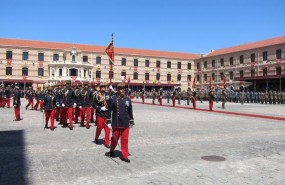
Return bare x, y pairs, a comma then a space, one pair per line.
189, 26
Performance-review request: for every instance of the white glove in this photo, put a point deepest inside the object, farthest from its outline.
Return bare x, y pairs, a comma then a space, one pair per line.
74, 104
40, 100
80, 107
103, 108
15, 105
63, 105
57, 105
109, 125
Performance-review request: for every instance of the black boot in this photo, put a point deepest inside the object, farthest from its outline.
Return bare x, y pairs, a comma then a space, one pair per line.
109, 154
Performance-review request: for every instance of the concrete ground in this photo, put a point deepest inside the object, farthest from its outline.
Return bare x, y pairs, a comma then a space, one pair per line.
166, 146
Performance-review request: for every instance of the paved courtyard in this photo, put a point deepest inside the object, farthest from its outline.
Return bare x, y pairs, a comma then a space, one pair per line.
166, 146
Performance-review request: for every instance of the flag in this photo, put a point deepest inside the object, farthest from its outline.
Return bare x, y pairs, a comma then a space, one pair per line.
110, 50
194, 83
211, 82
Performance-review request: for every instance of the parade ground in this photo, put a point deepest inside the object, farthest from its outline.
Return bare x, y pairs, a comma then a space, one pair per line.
242, 144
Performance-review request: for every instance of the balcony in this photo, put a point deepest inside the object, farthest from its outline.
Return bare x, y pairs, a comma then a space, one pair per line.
67, 63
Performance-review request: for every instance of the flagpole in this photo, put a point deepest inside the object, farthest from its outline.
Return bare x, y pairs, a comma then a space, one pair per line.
111, 64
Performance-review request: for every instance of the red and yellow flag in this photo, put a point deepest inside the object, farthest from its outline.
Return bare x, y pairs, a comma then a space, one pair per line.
110, 50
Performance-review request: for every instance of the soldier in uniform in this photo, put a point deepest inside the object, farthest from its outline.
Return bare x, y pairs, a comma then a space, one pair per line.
8, 96
153, 96
193, 98
179, 94
270, 97
101, 104
37, 97
86, 103
142, 95
188, 95
68, 104
17, 103
49, 107
211, 99
274, 97
266, 96
278, 97
122, 119
242, 94
160, 96
262, 97
173, 97
247, 96
30, 97
224, 98
77, 100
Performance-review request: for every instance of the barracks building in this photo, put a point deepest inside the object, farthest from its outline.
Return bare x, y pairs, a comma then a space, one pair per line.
259, 65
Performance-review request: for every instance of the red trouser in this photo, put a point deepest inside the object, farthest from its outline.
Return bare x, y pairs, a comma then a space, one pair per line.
160, 100
63, 115
143, 99
101, 123
76, 114
173, 102
50, 114
69, 111
92, 114
4, 101
211, 103
8, 102
124, 133
17, 112
85, 111
194, 102
31, 102
1, 101
37, 104
41, 105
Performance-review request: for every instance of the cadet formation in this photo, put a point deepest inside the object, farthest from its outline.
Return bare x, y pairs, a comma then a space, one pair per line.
111, 110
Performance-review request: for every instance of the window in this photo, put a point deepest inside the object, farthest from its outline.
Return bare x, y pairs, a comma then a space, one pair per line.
179, 77
98, 74
198, 66
136, 62
146, 63
123, 74
198, 78
84, 73
213, 63
241, 59
241, 74
157, 76
264, 71
179, 66
8, 70
168, 77
124, 61
136, 75
252, 72
158, 64
60, 72
25, 71
55, 57
231, 75
213, 76
264, 55
252, 57
40, 71
25, 56
73, 58
231, 61
189, 66
222, 75
40, 57
205, 64
278, 54
168, 64
98, 60
278, 70
205, 77
188, 78
222, 62
146, 76
9, 54
85, 59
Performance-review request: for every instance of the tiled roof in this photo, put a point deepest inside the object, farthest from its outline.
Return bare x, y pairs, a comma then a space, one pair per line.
249, 46
92, 48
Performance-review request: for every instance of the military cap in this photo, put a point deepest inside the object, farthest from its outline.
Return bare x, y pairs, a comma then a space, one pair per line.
68, 82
